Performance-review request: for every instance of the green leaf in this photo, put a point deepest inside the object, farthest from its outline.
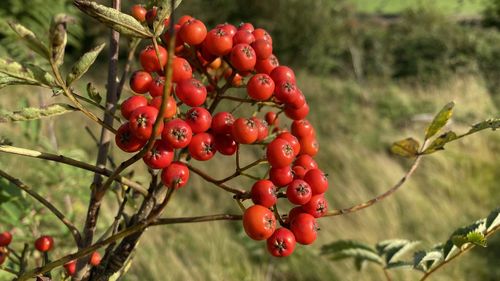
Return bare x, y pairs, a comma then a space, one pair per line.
439, 142
426, 260
359, 263
163, 12
395, 249
493, 220
474, 237
351, 249
93, 93
487, 124
30, 39
14, 73
399, 264
121, 22
42, 76
440, 120
32, 113
59, 37
406, 148
83, 64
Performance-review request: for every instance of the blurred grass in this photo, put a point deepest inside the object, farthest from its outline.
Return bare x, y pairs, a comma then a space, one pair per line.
461, 7
355, 125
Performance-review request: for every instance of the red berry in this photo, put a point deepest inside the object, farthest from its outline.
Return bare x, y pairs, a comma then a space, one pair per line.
294, 142
262, 128
70, 267
157, 87
263, 49
222, 122
286, 92
193, 32
245, 131
299, 100
309, 145
142, 120
243, 57
302, 128
177, 133
246, 26
171, 106
317, 206
160, 156
280, 153
304, 228
150, 61
259, 222
261, 34
151, 15
267, 65
199, 119
297, 114
175, 176
184, 19
306, 161
44, 244
219, 42
139, 12
5, 239
282, 73
131, 104
299, 172
95, 259
294, 212
228, 28
225, 144
317, 180
281, 243
243, 37
272, 118
298, 192
140, 82
191, 91
127, 141
202, 147
264, 193
181, 70
281, 176
260, 87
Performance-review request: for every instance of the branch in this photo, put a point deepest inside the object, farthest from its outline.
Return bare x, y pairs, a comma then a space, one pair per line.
216, 182
71, 227
463, 251
72, 162
338, 212
219, 217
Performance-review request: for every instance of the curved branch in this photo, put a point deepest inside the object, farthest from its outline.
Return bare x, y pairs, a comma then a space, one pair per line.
72, 162
216, 182
352, 209
72, 228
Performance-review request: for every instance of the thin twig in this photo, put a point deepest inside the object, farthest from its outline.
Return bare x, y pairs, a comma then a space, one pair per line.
72, 162
338, 212
216, 182
11, 271
71, 227
230, 217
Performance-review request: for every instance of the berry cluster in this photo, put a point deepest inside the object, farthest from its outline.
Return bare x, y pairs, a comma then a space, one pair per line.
43, 244
190, 126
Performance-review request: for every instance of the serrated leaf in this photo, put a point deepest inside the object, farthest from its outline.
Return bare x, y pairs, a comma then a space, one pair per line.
343, 245
121, 22
474, 237
395, 249
93, 93
163, 12
406, 148
440, 120
493, 220
32, 113
30, 39
83, 64
439, 142
351, 249
426, 260
487, 124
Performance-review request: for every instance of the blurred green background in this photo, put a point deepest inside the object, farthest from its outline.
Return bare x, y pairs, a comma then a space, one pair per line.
373, 72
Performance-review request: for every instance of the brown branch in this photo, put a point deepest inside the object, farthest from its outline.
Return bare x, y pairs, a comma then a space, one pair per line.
219, 217
71, 227
208, 178
72, 162
130, 58
338, 212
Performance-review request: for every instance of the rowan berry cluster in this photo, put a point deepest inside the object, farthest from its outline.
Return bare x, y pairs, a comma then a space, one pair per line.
243, 56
